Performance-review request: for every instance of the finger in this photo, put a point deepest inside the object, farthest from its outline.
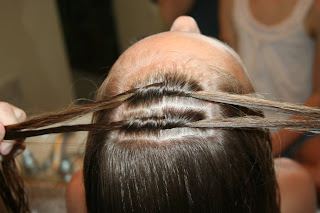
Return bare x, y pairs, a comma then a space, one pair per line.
13, 148
17, 149
7, 114
7, 117
2, 132
19, 113
6, 147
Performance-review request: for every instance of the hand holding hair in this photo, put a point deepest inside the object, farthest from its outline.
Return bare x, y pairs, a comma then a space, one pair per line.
9, 115
12, 191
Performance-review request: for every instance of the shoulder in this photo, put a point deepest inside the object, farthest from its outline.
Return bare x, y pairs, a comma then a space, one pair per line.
76, 180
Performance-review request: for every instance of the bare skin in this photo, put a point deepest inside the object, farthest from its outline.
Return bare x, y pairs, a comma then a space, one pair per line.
182, 43
75, 194
295, 185
271, 13
10, 115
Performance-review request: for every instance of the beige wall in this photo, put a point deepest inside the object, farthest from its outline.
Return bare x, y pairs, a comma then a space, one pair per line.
34, 72
136, 19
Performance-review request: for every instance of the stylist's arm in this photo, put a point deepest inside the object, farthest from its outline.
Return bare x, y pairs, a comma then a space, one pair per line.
9, 115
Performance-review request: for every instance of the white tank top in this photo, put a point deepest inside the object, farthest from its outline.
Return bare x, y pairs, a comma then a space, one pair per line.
279, 58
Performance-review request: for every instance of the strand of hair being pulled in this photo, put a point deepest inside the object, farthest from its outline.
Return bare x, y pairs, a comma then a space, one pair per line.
38, 125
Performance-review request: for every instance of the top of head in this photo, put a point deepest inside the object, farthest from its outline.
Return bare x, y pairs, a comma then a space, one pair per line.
182, 54
197, 56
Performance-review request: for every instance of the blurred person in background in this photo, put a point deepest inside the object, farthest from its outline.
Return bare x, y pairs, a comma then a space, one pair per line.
279, 42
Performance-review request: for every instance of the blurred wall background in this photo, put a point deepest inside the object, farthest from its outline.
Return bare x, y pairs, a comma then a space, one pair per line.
136, 19
53, 52
35, 72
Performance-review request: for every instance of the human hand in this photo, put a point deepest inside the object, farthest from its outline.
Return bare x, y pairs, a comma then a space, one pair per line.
10, 114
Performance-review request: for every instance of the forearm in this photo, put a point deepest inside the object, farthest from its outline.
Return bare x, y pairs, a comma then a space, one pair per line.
282, 139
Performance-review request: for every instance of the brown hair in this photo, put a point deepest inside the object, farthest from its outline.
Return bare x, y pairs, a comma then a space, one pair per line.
167, 145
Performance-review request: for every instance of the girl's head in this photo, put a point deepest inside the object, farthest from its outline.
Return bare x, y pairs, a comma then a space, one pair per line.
154, 162
175, 129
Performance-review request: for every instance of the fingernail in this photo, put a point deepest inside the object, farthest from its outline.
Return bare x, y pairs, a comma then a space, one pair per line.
6, 147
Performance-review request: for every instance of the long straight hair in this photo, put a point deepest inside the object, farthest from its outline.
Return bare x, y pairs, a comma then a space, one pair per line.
156, 162
170, 146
